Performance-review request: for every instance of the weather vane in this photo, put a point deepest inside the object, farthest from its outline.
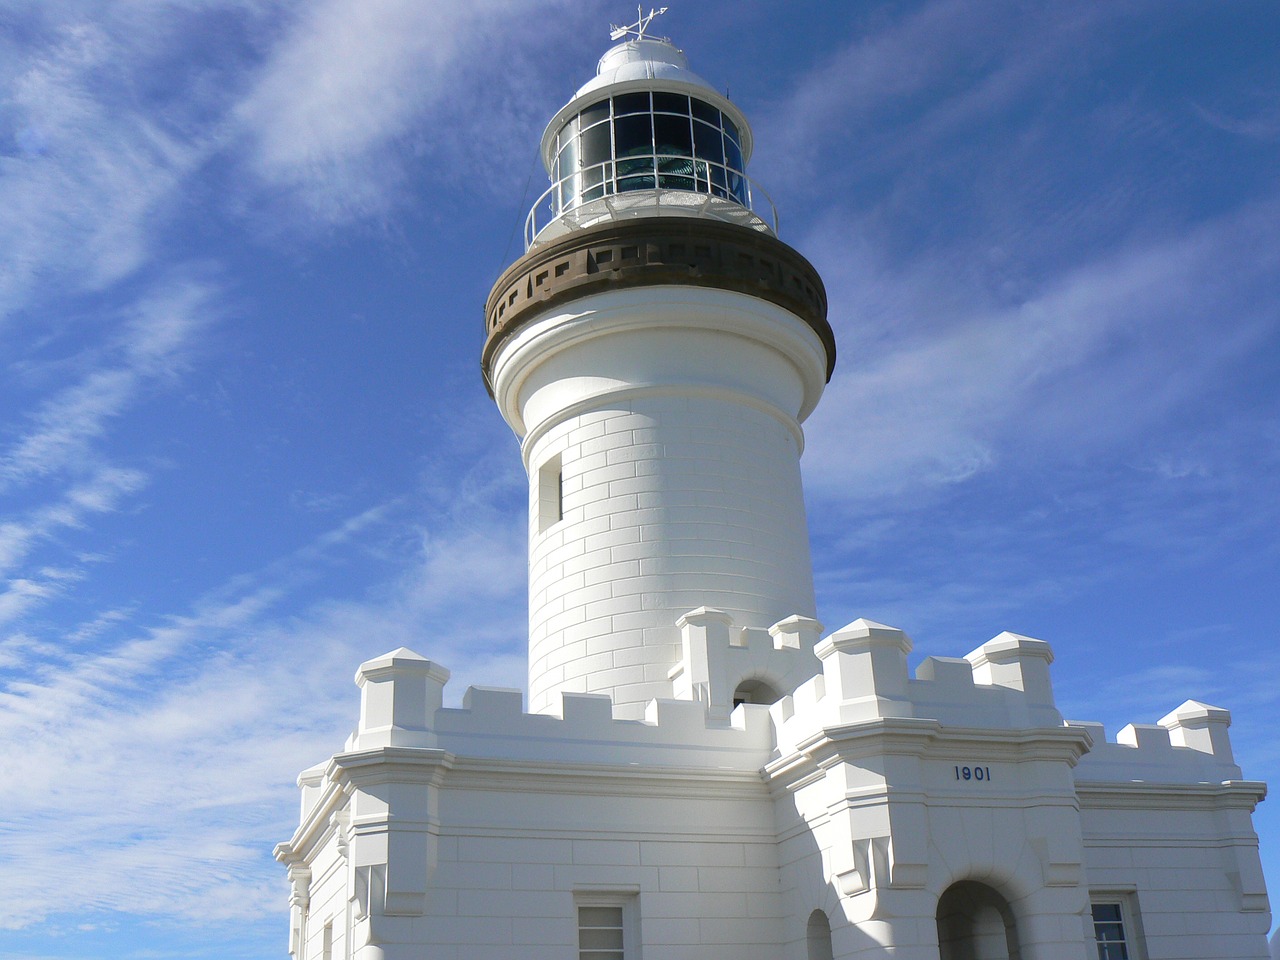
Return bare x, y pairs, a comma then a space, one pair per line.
639, 27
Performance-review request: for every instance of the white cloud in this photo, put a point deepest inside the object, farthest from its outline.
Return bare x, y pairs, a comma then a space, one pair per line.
1096, 355
63, 430
81, 197
100, 493
177, 745
359, 91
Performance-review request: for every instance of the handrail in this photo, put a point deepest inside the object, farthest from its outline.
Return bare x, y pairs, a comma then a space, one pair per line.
546, 210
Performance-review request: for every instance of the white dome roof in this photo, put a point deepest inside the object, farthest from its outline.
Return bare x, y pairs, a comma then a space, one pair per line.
642, 59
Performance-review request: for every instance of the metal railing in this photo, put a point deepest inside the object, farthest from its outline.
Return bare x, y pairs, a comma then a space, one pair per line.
580, 193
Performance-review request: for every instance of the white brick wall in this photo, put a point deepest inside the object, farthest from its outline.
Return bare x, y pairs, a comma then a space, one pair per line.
675, 417
715, 519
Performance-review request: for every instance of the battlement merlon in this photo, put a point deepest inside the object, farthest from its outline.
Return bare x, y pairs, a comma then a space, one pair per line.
1003, 684
715, 658
399, 694
1201, 727
1188, 745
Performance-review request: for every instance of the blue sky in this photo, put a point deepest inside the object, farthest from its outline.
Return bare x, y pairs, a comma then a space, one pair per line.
244, 443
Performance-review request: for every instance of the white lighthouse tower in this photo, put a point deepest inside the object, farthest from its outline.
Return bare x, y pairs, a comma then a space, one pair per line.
696, 775
656, 350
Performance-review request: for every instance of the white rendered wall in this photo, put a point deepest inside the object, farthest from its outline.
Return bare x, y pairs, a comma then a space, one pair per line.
672, 416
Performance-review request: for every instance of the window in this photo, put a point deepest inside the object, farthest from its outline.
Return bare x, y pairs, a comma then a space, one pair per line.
636, 141
608, 923
1108, 930
326, 942
550, 493
601, 934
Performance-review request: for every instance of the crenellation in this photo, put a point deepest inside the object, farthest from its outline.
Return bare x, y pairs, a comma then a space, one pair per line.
1201, 727
954, 672
1189, 745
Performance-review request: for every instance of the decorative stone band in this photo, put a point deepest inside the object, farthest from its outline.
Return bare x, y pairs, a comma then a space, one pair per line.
655, 251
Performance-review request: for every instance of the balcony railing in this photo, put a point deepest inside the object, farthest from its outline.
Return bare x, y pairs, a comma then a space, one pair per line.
649, 186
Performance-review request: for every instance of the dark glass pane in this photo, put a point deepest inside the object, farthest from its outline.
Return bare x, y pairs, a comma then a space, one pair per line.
595, 113
671, 103
671, 135
705, 111
732, 131
708, 142
732, 155
738, 189
631, 103
719, 184
1103, 912
634, 136
635, 174
675, 173
595, 145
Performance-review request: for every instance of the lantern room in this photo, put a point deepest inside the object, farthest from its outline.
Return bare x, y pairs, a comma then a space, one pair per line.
646, 137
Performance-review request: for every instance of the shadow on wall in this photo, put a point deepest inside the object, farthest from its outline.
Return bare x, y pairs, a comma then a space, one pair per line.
975, 923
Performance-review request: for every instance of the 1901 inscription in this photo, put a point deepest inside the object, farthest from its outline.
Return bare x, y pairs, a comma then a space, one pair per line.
973, 773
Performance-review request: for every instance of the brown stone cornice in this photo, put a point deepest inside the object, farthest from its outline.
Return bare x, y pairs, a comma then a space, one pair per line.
654, 251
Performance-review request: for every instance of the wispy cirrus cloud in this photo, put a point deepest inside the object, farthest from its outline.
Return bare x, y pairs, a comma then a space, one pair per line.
1138, 331
183, 737
88, 173
151, 341
358, 92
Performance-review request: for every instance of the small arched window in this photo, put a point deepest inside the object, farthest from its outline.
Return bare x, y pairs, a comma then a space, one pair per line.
818, 936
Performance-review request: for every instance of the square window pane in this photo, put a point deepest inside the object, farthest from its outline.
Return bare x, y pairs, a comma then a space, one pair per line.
595, 113
705, 111
601, 938
1106, 911
708, 142
600, 916
671, 103
672, 136
631, 103
634, 135
595, 145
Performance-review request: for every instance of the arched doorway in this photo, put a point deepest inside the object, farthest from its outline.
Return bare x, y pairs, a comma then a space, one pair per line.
818, 936
976, 923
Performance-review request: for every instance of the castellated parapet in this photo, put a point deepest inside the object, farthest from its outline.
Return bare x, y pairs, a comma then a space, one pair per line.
865, 789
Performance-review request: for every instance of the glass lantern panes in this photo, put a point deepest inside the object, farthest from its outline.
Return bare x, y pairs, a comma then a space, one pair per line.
1108, 931
646, 140
600, 933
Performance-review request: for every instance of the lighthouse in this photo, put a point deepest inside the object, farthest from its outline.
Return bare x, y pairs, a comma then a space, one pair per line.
656, 350
698, 771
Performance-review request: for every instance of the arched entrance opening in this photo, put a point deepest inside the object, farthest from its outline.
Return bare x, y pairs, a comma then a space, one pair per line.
818, 936
755, 690
976, 923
